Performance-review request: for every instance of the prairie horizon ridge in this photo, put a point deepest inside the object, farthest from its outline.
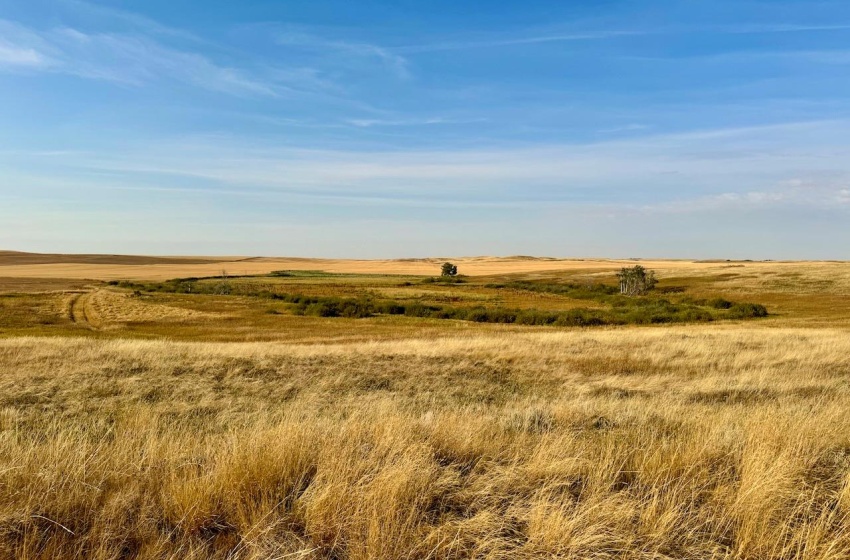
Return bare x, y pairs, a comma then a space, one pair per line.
15, 263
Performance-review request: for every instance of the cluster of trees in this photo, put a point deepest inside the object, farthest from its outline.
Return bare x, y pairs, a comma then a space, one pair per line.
636, 281
449, 269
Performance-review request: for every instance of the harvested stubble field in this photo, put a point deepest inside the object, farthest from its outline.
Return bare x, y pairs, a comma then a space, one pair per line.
223, 424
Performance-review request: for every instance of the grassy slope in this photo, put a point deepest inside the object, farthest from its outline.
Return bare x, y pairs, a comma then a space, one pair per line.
692, 442
411, 438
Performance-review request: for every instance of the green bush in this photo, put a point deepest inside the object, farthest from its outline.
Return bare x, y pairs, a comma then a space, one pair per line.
719, 303
390, 308
619, 310
325, 309
579, 318
444, 280
418, 310
747, 311
695, 315
220, 289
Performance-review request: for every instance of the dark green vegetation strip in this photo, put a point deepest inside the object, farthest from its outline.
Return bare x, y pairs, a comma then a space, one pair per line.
620, 310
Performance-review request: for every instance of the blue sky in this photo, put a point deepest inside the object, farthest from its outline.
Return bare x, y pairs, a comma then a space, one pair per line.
695, 129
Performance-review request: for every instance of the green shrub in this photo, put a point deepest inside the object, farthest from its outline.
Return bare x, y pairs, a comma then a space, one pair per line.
324, 309
390, 308
719, 303
747, 311
221, 289
356, 309
418, 310
695, 315
579, 318
443, 280
535, 317
620, 310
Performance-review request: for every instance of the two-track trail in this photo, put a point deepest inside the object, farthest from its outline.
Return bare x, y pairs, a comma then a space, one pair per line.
78, 309
104, 308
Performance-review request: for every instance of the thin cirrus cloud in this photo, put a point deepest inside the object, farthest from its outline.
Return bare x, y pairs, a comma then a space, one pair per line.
22, 47
368, 123
786, 194
128, 59
112, 16
343, 49
516, 41
613, 33
779, 28
807, 165
836, 57
11, 55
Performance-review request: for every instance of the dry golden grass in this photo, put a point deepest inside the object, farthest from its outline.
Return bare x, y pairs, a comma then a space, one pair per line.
397, 437
686, 442
112, 308
41, 285
111, 267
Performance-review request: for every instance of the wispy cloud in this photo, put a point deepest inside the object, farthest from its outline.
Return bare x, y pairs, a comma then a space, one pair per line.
367, 123
390, 59
122, 58
21, 47
836, 57
631, 127
820, 193
110, 16
513, 41
688, 183
796, 163
779, 28
11, 55
532, 38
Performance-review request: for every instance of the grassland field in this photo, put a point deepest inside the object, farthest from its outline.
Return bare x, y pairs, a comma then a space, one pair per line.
225, 417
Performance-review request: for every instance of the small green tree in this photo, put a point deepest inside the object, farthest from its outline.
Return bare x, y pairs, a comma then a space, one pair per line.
449, 269
636, 281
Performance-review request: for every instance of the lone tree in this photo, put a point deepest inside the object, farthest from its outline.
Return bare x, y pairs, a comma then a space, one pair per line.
636, 281
449, 269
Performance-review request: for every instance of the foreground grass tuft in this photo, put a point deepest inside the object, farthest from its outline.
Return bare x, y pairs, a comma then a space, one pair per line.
697, 442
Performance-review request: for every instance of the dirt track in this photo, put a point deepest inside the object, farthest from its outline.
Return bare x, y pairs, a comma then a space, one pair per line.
78, 309
105, 308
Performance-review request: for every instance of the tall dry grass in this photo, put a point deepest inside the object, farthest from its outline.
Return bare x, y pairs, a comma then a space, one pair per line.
691, 442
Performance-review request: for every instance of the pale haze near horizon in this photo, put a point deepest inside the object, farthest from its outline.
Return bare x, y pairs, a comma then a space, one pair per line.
393, 129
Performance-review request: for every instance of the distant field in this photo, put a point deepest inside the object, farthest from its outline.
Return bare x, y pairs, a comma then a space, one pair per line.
114, 267
795, 293
364, 410
19, 258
